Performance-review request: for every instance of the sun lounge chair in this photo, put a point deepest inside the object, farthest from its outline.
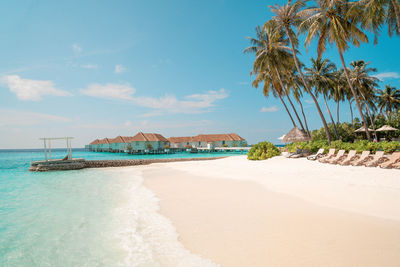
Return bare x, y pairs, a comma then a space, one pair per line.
362, 159
395, 157
351, 156
330, 154
303, 153
319, 154
396, 165
378, 158
339, 156
298, 151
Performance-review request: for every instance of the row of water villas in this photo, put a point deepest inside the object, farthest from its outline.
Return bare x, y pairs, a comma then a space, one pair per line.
153, 143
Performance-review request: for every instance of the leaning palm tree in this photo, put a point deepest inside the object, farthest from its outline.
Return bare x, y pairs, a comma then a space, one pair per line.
388, 99
339, 91
330, 22
375, 13
322, 75
293, 82
286, 17
269, 48
365, 84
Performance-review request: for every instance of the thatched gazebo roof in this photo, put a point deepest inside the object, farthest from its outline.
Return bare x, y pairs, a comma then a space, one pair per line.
386, 128
362, 129
296, 135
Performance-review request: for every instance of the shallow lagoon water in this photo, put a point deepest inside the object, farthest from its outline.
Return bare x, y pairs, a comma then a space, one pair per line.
90, 217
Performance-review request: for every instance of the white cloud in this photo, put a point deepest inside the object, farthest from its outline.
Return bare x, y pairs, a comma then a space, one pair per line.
90, 66
119, 69
10, 117
110, 90
77, 48
309, 101
191, 104
269, 109
27, 89
387, 75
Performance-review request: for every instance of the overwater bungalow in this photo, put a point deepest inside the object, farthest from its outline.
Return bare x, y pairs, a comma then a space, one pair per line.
148, 142
181, 142
208, 141
120, 143
104, 145
94, 145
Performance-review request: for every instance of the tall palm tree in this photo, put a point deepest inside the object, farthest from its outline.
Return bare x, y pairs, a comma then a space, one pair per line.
365, 84
330, 22
286, 17
375, 13
269, 48
293, 82
322, 75
388, 99
339, 91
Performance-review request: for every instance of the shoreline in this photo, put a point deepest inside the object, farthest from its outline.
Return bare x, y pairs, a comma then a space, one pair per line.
234, 219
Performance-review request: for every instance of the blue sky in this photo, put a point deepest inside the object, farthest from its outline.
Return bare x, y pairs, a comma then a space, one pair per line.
94, 69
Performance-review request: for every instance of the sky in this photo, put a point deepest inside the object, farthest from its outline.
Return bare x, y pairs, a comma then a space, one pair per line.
95, 69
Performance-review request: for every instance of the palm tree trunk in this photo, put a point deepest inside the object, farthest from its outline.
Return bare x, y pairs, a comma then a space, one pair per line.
337, 112
304, 117
306, 85
354, 94
330, 115
284, 104
287, 95
351, 112
369, 115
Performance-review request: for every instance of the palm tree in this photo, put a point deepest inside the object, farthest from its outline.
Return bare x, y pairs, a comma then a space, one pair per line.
361, 79
286, 17
269, 49
388, 99
321, 75
330, 21
339, 91
374, 13
293, 82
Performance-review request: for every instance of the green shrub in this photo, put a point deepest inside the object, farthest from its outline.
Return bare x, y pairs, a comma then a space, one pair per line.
262, 151
360, 145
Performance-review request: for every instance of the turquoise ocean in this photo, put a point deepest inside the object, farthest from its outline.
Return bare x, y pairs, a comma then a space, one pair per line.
89, 217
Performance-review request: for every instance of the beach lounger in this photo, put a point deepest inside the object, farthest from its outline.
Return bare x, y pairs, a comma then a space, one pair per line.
394, 158
396, 166
316, 156
298, 151
330, 154
303, 153
362, 159
351, 156
339, 156
378, 158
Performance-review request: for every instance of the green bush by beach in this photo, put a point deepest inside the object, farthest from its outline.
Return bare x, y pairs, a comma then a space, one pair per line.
262, 151
360, 146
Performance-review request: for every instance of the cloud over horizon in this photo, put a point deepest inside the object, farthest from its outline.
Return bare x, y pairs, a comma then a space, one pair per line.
119, 69
387, 75
190, 104
31, 90
269, 109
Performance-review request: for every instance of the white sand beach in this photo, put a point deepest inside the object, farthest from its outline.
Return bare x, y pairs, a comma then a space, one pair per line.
281, 212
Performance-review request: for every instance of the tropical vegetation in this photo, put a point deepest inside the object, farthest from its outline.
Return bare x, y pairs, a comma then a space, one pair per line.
341, 24
262, 151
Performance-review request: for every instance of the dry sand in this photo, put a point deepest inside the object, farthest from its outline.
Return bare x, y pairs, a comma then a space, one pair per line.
281, 212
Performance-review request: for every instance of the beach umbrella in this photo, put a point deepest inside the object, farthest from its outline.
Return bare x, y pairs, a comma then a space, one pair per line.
386, 128
362, 129
296, 135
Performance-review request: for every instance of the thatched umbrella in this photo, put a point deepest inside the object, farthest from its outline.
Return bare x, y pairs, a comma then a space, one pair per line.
386, 128
296, 135
362, 129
